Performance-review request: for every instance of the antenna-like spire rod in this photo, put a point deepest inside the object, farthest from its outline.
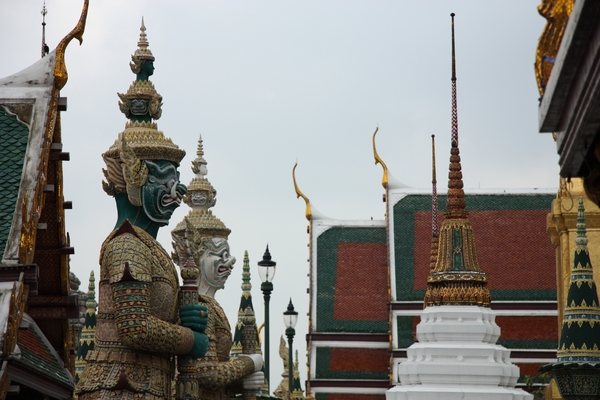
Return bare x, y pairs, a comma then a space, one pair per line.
454, 106
434, 199
45, 49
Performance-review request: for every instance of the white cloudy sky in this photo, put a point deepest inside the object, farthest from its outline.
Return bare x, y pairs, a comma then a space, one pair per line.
269, 83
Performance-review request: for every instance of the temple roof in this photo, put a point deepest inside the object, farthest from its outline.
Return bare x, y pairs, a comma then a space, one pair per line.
35, 353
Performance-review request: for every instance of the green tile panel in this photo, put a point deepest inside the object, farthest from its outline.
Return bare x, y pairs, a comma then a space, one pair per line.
13, 136
327, 256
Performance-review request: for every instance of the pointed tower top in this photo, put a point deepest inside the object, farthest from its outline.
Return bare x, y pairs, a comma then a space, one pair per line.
45, 48
245, 303
454, 105
143, 52
91, 295
246, 285
579, 345
456, 277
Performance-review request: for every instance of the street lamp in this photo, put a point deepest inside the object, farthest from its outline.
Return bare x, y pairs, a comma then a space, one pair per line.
266, 271
290, 317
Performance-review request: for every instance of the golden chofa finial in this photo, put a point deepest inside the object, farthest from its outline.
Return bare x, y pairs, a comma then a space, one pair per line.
60, 68
378, 160
300, 194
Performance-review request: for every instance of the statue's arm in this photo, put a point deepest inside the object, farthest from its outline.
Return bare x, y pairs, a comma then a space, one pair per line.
215, 374
128, 262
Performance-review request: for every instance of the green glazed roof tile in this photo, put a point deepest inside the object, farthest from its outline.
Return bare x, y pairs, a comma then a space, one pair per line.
13, 136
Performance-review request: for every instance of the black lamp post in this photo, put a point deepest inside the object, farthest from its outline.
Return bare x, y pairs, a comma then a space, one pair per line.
290, 317
266, 271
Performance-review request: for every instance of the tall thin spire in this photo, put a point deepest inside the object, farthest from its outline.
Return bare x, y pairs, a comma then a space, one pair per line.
454, 105
434, 200
456, 195
435, 232
456, 277
45, 49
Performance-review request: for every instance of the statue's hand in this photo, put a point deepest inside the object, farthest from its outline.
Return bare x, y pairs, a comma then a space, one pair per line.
258, 361
253, 381
200, 345
194, 316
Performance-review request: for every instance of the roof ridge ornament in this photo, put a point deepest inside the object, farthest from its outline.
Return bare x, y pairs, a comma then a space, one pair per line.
308, 212
378, 160
60, 68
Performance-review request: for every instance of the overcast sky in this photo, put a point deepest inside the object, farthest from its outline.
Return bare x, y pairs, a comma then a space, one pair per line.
269, 83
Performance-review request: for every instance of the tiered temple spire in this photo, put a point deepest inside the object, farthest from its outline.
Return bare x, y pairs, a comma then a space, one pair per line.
245, 302
456, 277
577, 370
86, 342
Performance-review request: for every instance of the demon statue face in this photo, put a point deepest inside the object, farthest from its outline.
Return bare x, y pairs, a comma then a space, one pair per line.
162, 192
216, 263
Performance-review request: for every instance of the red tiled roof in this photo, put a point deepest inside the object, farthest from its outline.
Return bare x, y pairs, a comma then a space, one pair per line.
27, 339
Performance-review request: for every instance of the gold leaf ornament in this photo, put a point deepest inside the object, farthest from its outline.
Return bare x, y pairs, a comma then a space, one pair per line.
135, 172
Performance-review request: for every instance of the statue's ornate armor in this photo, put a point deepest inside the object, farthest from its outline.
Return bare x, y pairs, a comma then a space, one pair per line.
218, 374
136, 334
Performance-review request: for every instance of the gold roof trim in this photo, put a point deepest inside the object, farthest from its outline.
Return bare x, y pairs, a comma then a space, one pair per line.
378, 160
557, 13
308, 212
60, 68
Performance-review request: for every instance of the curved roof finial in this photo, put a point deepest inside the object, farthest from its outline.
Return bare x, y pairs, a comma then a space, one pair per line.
60, 68
378, 160
300, 194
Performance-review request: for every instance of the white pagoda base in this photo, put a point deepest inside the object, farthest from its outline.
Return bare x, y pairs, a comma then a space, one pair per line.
456, 357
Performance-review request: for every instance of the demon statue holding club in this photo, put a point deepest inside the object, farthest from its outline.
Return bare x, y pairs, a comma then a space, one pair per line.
139, 328
200, 243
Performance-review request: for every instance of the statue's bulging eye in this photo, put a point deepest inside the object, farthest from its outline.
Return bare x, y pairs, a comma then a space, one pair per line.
151, 179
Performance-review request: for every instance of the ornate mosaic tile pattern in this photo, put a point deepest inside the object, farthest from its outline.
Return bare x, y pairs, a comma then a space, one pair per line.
13, 135
352, 363
346, 256
500, 222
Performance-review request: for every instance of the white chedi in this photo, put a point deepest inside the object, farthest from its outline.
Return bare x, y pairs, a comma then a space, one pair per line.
456, 357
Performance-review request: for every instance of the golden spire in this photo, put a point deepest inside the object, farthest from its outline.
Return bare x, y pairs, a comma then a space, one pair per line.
435, 233
300, 194
456, 277
378, 160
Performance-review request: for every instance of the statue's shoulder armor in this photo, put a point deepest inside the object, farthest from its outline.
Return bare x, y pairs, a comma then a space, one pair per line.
125, 256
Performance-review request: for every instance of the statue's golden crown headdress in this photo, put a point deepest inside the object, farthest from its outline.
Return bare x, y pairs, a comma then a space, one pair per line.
141, 139
200, 225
